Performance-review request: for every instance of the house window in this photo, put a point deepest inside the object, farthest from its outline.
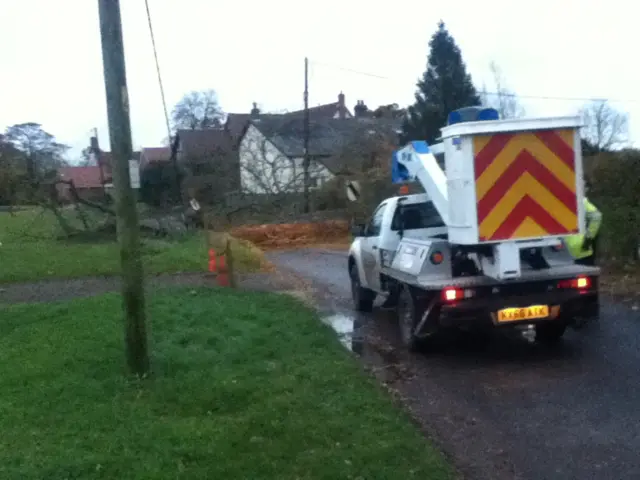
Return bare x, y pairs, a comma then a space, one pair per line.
315, 182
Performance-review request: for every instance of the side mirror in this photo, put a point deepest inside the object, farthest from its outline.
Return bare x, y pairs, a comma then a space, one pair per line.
358, 230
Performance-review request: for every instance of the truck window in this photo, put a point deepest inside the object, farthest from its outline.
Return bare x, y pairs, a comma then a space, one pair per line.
373, 228
417, 215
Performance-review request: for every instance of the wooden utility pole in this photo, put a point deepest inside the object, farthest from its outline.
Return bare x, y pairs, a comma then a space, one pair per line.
307, 161
126, 214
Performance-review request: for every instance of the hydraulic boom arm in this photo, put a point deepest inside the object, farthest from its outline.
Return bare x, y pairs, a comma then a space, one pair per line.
417, 162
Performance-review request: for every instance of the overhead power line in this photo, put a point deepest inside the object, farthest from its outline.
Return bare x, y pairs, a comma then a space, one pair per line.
531, 97
172, 142
155, 55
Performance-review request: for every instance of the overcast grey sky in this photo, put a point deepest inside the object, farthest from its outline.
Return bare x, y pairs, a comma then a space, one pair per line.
254, 50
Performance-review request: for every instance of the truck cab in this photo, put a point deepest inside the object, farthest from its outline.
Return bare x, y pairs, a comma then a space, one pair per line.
376, 242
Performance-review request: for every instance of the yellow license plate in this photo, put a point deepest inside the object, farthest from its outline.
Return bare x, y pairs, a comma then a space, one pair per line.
524, 313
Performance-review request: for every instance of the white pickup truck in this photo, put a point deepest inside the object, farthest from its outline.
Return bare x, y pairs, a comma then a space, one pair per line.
450, 258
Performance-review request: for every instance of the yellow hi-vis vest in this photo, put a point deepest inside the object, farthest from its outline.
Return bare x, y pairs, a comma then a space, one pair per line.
575, 242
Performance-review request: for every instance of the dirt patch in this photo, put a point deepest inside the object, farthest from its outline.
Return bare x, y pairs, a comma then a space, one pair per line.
288, 235
68, 289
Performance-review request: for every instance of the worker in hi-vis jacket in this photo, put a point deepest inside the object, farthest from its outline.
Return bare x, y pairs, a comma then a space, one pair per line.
583, 248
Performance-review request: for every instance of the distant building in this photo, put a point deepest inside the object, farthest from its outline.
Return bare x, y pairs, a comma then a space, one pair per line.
91, 182
271, 150
88, 182
154, 155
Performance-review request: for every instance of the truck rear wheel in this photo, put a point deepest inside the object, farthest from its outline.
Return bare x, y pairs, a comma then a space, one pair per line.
409, 315
363, 298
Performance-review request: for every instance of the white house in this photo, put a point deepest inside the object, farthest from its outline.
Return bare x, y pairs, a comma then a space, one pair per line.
272, 159
271, 150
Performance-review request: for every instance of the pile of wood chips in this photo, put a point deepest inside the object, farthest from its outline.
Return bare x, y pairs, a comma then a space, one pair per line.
293, 234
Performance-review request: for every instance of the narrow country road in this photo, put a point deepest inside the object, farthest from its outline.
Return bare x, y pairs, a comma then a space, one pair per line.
511, 410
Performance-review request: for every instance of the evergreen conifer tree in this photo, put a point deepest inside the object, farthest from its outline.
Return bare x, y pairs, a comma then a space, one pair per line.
444, 87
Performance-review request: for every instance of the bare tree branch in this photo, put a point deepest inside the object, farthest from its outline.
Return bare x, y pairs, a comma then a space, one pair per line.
77, 199
605, 128
501, 98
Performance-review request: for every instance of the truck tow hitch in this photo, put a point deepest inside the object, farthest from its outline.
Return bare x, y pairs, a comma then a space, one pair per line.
528, 332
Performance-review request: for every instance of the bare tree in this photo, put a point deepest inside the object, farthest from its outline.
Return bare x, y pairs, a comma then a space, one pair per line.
41, 151
365, 157
605, 128
198, 110
501, 98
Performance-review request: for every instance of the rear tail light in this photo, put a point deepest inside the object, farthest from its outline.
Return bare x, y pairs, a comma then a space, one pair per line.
451, 294
583, 282
580, 283
558, 247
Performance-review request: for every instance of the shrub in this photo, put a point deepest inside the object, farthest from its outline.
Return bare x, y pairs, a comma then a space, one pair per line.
614, 187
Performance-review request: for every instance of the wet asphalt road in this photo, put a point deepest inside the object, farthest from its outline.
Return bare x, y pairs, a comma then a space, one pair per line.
512, 410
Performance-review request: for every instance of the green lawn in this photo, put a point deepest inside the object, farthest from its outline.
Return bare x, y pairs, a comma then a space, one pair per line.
30, 251
245, 386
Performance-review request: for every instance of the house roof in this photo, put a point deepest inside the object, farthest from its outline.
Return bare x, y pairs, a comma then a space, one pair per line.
82, 177
106, 160
327, 138
199, 142
154, 155
203, 142
237, 122
327, 111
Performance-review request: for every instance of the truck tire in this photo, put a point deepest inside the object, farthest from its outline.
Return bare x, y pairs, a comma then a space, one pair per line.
550, 333
362, 297
408, 318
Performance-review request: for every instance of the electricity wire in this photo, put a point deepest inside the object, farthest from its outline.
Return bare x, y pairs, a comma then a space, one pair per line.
155, 55
503, 94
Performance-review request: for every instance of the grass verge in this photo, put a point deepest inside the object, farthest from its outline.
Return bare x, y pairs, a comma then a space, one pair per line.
30, 250
245, 386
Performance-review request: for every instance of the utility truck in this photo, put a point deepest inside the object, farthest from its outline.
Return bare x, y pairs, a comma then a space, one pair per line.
482, 248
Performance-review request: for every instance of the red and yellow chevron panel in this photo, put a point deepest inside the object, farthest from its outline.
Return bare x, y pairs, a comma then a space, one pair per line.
525, 184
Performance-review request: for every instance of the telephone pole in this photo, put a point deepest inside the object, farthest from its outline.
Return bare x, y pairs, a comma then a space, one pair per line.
307, 161
126, 214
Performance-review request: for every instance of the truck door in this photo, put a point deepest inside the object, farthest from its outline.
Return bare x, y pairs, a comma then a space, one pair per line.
370, 249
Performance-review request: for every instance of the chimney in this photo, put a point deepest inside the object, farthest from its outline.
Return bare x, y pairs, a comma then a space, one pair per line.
341, 106
360, 110
255, 111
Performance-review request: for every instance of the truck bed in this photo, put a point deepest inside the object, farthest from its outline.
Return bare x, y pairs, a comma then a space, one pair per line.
528, 275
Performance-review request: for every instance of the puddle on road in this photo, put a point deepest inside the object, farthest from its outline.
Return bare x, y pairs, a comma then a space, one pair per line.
349, 331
